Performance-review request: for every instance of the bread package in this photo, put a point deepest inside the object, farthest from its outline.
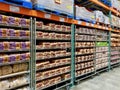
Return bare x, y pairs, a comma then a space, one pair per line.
23, 67
11, 33
6, 59
39, 24
16, 68
11, 20
12, 58
3, 19
6, 70
18, 58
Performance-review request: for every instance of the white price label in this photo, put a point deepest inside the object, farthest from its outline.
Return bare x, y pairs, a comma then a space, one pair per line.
92, 25
79, 22
62, 19
47, 16
14, 9
87, 24
99, 26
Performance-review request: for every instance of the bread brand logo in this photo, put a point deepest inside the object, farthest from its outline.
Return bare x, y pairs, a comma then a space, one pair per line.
58, 1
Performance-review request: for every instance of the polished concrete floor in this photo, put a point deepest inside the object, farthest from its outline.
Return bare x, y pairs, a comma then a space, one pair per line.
106, 81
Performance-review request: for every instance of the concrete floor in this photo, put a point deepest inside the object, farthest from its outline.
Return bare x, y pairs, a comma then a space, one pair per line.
106, 81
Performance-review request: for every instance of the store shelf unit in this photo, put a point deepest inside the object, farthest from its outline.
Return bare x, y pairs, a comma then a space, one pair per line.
103, 43
102, 51
85, 52
53, 55
15, 61
60, 51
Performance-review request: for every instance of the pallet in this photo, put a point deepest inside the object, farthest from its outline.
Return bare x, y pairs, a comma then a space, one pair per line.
86, 20
19, 3
53, 11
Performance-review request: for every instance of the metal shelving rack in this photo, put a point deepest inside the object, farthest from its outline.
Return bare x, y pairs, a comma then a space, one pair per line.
80, 77
14, 51
33, 15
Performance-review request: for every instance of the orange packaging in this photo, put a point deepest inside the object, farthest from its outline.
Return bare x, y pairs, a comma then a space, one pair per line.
17, 33
27, 45
17, 20
5, 59
6, 45
27, 33
4, 32
18, 45
27, 22
4, 19
17, 57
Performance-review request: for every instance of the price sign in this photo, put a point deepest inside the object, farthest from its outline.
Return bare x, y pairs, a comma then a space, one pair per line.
14, 9
79, 22
87, 24
47, 16
62, 19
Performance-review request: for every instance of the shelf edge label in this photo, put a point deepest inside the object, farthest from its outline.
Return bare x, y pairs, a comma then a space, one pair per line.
14, 9
62, 19
47, 16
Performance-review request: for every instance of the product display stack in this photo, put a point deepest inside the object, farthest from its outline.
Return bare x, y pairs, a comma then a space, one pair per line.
102, 50
85, 49
55, 44
14, 52
115, 48
53, 59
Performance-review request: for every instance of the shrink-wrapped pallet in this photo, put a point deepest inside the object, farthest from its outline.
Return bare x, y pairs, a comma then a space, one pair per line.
83, 13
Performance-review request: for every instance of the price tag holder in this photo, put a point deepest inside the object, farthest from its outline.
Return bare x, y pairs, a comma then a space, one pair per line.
87, 24
79, 22
14, 9
99, 26
47, 16
92, 25
62, 20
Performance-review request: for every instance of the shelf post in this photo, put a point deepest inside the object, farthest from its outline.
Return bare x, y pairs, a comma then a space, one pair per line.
73, 54
30, 63
109, 45
33, 53
73, 49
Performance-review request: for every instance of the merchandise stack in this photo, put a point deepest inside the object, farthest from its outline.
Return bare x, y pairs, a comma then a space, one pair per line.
53, 59
115, 48
85, 49
102, 50
14, 52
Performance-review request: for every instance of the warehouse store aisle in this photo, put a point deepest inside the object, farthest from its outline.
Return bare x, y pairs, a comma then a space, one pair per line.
106, 81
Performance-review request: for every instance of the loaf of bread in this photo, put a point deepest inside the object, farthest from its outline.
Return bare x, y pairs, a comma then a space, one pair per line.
11, 20
11, 33
4, 84
3, 19
23, 67
51, 26
17, 33
6, 70
39, 24
16, 68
